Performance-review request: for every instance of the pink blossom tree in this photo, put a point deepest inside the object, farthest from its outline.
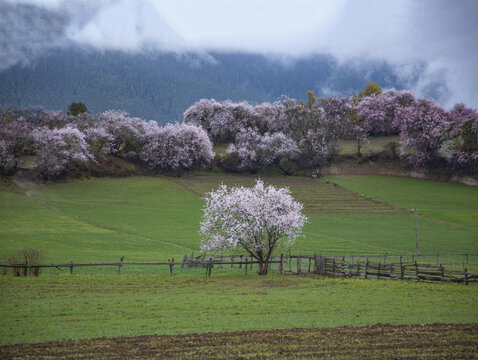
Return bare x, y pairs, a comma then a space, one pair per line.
176, 148
251, 151
59, 150
208, 114
129, 133
378, 111
316, 129
464, 122
242, 154
277, 150
8, 158
424, 127
255, 219
270, 117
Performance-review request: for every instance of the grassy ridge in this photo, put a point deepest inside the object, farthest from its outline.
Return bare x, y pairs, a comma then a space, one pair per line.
65, 307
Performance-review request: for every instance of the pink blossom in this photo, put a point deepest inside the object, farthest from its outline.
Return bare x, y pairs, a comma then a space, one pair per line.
177, 147
58, 150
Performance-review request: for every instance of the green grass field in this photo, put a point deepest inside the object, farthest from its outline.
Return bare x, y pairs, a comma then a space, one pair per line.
76, 307
445, 201
147, 219
154, 219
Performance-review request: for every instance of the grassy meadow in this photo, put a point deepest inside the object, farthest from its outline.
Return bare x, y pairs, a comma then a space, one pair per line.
84, 306
157, 218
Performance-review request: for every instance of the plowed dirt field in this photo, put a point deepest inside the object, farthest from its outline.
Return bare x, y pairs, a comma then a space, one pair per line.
436, 341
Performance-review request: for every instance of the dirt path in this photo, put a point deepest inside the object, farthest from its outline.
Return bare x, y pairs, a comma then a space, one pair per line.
435, 341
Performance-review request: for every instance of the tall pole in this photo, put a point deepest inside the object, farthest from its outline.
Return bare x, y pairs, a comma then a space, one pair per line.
416, 230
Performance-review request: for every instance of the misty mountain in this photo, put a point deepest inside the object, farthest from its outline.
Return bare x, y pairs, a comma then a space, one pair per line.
162, 86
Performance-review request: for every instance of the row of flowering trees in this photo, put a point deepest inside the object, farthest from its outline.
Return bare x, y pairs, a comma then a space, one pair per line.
61, 143
285, 134
308, 133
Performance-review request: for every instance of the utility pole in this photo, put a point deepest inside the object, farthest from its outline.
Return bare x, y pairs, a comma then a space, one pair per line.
416, 231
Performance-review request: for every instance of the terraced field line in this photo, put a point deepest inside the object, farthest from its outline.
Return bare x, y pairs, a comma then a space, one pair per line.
184, 187
448, 222
78, 219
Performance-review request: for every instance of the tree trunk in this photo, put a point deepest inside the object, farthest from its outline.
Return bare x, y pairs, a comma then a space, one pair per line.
359, 146
263, 267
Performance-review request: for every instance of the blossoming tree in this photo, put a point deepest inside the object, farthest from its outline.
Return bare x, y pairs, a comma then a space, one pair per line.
58, 150
176, 148
256, 219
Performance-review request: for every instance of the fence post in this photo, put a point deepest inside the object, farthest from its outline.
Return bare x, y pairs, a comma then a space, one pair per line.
416, 270
71, 267
119, 266
316, 260
299, 270
232, 261
240, 261
333, 267
210, 269
437, 258
171, 264
25, 270
282, 264
366, 269
442, 272
466, 276
245, 267
378, 272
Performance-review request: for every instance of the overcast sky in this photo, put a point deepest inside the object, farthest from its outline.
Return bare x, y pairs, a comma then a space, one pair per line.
438, 36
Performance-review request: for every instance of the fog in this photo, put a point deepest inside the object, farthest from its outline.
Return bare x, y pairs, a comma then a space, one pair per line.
431, 44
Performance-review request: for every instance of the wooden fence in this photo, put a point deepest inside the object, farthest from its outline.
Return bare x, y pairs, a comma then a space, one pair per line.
377, 267
391, 271
34, 269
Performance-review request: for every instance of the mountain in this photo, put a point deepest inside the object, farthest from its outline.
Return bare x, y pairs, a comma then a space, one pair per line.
162, 86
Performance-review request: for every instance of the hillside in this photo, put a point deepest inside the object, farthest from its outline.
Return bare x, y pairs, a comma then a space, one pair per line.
161, 86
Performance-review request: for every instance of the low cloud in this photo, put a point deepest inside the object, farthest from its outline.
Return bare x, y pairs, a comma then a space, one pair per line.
431, 44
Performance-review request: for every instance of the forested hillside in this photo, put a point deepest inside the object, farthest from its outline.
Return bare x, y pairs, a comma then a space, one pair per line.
162, 86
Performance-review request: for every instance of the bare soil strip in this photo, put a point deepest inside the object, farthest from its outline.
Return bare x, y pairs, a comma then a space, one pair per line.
434, 341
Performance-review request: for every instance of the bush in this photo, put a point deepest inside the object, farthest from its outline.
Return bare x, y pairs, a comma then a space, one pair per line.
30, 257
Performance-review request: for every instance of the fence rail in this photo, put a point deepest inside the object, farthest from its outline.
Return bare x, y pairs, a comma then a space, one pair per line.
351, 266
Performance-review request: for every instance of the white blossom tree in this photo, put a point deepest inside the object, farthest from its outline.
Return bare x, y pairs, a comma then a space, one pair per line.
256, 219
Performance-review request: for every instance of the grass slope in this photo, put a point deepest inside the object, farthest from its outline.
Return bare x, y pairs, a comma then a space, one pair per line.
81, 306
